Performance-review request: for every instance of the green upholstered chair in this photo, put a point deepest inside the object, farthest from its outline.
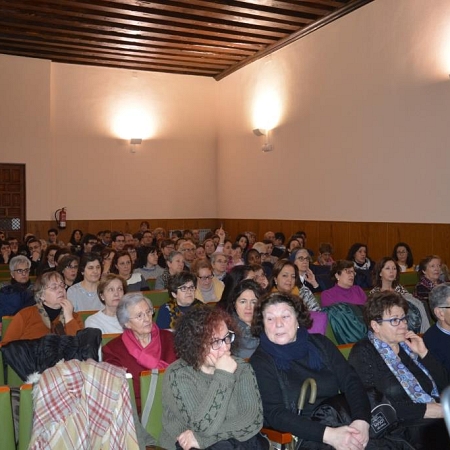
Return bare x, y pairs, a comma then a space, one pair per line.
7, 439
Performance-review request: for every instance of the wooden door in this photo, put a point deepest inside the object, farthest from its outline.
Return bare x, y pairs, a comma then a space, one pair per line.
12, 200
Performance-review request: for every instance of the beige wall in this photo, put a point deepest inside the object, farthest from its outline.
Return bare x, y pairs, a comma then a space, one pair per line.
361, 134
66, 120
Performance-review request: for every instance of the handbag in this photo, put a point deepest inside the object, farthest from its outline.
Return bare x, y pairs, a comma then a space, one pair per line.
335, 412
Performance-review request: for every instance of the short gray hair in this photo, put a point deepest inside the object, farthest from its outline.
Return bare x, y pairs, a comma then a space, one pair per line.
215, 255
19, 259
439, 295
173, 254
128, 300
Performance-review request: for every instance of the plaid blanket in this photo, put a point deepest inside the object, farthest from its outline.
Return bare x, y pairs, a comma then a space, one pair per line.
83, 405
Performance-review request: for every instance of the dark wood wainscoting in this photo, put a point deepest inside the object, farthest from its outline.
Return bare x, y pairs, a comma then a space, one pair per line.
424, 239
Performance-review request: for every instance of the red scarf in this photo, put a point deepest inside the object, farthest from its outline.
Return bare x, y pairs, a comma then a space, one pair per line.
148, 357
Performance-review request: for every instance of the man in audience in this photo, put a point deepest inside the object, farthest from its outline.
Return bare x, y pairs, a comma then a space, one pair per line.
167, 247
52, 234
187, 248
196, 236
117, 241
5, 252
137, 239
129, 239
437, 338
14, 245
269, 236
106, 238
278, 242
87, 242
147, 239
34, 253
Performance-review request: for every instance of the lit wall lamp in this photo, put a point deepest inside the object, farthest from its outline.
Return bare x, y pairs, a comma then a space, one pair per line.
134, 143
267, 146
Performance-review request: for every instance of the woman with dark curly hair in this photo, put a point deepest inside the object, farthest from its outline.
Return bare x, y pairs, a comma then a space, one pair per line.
287, 355
210, 398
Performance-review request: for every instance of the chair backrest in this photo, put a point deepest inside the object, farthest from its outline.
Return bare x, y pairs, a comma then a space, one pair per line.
345, 349
151, 283
109, 337
445, 402
25, 416
2, 369
85, 314
6, 320
158, 297
409, 278
7, 440
151, 399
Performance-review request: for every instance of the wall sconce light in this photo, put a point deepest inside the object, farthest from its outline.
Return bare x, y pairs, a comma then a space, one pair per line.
133, 143
267, 146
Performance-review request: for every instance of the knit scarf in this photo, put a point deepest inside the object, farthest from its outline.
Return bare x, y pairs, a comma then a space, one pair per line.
300, 349
428, 283
407, 380
55, 328
148, 357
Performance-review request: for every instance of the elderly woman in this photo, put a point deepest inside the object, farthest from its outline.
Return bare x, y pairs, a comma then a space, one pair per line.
219, 265
52, 314
287, 355
306, 277
175, 264
402, 255
386, 278
181, 289
242, 304
284, 279
123, 265
362, 264
209, 396
111, 289
17, 293
83, 295
396, 362
344, 291
142, 346
209, 288
429, 272
68, 268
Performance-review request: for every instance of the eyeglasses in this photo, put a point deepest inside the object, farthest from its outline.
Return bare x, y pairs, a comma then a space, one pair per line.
395, 321
209, 277
349, 271
142, 315
303, 258
55, 287
444, 307
22, 271
188, 250
71, 267
187, 288
228, 339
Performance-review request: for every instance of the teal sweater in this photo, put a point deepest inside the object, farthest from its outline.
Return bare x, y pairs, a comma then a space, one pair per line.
215, 407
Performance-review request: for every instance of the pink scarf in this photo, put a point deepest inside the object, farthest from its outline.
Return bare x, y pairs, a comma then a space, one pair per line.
148, 357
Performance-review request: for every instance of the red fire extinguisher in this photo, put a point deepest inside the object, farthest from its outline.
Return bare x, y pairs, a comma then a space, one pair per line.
60, 217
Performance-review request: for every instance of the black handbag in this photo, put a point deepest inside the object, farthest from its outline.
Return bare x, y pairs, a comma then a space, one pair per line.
335, 412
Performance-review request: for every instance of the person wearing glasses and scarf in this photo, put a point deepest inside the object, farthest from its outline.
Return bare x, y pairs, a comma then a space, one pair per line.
181, 289
209, 288
52, 314
211, 399
397, 363
142, 345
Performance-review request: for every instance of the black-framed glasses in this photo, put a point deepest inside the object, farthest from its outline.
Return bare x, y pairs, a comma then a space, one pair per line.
186, 288
228, 339
395, 321
444, 307
72, 267
22, 271
209, 277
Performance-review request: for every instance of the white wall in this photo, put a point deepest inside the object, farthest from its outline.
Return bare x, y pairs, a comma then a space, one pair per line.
363, 133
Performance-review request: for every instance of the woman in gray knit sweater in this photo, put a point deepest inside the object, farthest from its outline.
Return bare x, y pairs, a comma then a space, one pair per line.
209, 396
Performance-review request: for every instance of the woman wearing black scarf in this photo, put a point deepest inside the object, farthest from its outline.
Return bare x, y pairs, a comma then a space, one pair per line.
288, 355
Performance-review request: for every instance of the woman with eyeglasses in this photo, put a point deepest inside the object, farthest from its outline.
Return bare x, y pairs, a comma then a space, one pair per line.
210, 398
142, 345
397, 363
123, 265
403, 256
110, 290
209, 288
181, 289
68, 268
344, 291
52, 314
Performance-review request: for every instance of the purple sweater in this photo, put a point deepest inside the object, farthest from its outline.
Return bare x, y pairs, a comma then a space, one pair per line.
337, 294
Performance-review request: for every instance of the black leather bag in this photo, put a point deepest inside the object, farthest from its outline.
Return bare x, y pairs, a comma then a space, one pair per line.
335, 411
